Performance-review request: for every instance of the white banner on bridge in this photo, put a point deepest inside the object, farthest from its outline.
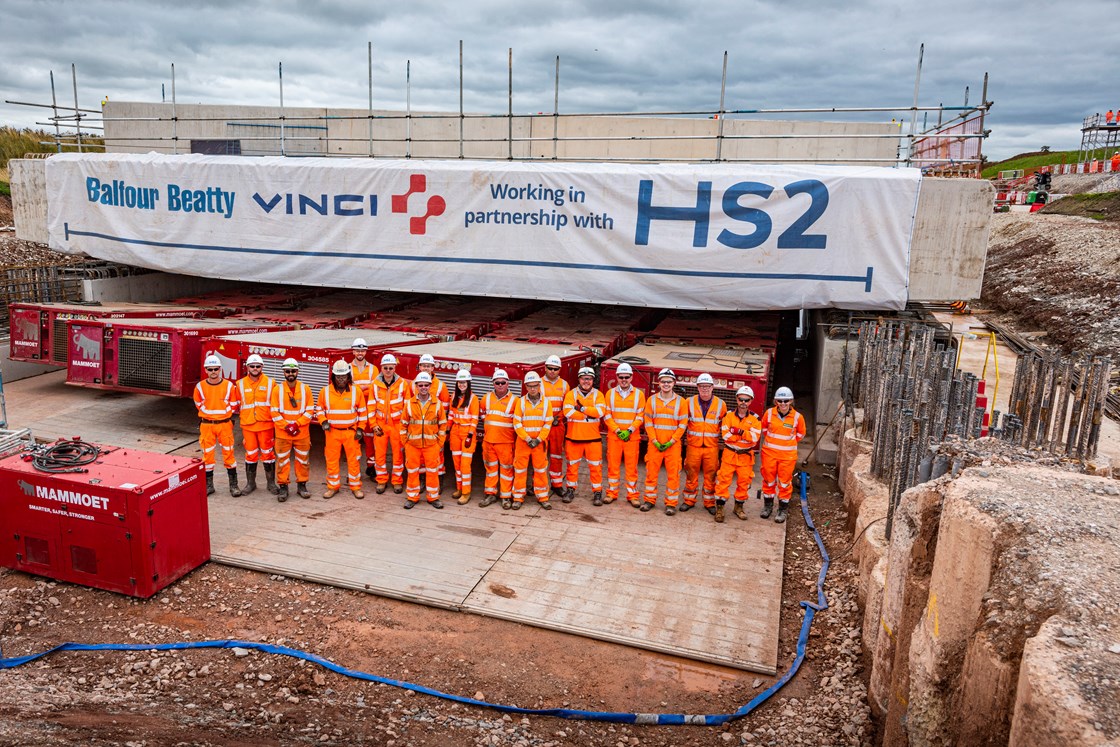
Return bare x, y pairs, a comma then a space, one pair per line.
700, 236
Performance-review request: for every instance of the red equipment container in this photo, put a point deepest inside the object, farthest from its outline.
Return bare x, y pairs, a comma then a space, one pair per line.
149, 356
39, 330
481, 357
601, 330
731, 368
453, 318
134, 523
315, 349
753, 329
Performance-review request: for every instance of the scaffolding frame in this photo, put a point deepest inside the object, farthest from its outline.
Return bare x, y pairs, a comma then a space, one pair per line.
1099, 140
926, 149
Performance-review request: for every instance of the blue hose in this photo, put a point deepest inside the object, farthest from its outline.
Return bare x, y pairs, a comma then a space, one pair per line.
613, 717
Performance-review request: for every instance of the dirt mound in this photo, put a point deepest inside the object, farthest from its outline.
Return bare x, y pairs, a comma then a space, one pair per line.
1059, 274
1097, 205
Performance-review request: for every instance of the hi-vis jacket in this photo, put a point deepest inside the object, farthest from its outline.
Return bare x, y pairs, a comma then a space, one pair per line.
748, 429
363, 377
703, 429
216, 401
625, 412
388, 404
781, 435
583, 413
423, 424
292, 404
666, 421
555, 393
341, 409
497, 419
532, 420
256, 403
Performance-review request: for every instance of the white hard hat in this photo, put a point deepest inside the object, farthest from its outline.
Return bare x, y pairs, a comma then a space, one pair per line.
254, 360
499, 375
624, 368
667, 372
587, 371
705, 379
388, 360
745, 390
532, 378
359, 343
553, 360
423, 378
290, 363
783, 394
212, 361
463, 375
340, 368
427, 358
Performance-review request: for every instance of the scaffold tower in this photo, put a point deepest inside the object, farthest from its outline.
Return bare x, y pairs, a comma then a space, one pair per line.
1099, 139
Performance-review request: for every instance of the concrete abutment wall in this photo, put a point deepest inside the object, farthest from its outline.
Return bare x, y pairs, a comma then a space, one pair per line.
990, 617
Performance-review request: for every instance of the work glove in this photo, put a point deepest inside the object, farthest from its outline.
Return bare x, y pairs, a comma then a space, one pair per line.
534, 443
326, 425
359, 434
291, 429
555, 421
378, 430
656, 445
624, 434
664, 446
736, 431
468, 440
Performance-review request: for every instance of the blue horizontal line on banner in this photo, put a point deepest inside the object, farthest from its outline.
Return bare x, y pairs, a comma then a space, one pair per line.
865, 279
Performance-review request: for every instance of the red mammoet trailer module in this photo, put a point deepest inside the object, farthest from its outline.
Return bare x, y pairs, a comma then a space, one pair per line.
133, 523
40, 330
731, 368
149, 356
314, 349
481, 357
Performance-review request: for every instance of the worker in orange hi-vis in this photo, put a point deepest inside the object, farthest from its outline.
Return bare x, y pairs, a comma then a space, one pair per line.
341, 410
364, 372
390, 392
584, 408
293, 407
217, 402
741, 430
782, 429
427, 364
666, 420
1110, 117
701, 456
626, 408
532, 420
555, 389
1114, 162
498, 438
424, 432
257, 433
462, 419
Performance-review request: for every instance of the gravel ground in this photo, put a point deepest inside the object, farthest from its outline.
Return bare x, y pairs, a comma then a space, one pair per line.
17, 253
221, 697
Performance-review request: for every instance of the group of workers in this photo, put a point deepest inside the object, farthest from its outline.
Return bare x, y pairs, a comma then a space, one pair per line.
551, 428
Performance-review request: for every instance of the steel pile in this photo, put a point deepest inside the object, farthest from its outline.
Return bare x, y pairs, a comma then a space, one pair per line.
913, 397
1057, 404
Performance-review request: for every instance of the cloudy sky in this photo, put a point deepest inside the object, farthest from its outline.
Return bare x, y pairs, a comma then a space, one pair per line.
1050, 65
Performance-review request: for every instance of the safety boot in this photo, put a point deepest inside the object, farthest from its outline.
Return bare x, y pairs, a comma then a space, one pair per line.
250, 478
464, 498
209, 483
381, 487
270, 477
767, 507
487, 499
358, 493
371, 473
558, 491
457, 493
719, 514
686, 506
233, 489
398, 489
740, 514
282, 492
781, 517
597, 498
302, 491
330, 492
569, 495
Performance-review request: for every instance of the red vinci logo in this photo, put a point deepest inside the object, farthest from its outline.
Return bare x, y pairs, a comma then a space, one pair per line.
418, 224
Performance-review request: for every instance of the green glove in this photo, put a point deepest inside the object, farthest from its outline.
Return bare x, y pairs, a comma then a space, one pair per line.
624, 434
